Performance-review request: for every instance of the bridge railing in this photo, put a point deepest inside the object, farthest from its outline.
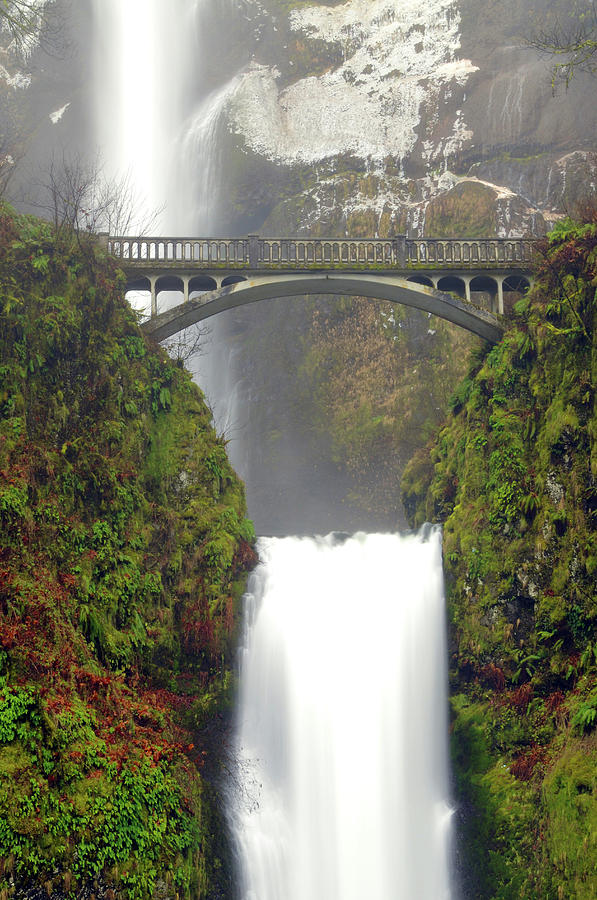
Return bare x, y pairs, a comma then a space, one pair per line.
257, 252
312, 252
204, 251
497, 250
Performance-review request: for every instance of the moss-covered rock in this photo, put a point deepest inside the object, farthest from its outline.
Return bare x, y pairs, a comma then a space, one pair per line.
124, 545
467, 210
512, 477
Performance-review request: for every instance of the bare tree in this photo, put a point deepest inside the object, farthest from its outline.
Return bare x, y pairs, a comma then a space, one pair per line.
187, 344
572, 40
79, 199
28, 23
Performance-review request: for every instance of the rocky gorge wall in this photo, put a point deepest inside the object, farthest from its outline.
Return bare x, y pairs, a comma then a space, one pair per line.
123, 553
379, 118
511, 475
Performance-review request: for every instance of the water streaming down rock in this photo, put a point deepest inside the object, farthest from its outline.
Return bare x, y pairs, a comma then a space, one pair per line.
200, 176
197, 199
342, 726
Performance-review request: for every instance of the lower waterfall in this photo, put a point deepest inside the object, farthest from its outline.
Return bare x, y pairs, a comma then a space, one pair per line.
341, 736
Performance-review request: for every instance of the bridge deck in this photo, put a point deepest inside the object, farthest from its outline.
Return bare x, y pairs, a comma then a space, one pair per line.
230, 272
260, 253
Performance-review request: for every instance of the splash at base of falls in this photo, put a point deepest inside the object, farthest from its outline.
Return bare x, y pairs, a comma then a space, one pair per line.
342, 733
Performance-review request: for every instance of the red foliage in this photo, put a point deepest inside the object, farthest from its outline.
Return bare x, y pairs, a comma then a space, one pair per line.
245, 558
8, 635
197, 627
523, 767
554, 701
521, 697
493, 676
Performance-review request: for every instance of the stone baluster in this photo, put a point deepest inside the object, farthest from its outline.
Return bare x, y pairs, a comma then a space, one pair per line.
254, 250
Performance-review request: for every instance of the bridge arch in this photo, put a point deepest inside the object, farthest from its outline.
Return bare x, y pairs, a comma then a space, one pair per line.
420, 279
202, 283
452, 285
485, 291
513, 287
518, 284
169, 283
142, 283
381, 287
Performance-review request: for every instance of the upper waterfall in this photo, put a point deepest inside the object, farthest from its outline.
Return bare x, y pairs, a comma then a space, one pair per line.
143, 78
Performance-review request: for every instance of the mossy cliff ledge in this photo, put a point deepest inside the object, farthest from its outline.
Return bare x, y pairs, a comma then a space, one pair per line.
123, 546
512, 476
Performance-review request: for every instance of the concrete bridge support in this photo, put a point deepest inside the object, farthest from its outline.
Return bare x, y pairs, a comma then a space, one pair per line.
478, 271
382, 287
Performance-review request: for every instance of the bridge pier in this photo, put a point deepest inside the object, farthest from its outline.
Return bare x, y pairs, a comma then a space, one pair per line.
154, 297
500, 287
467, 286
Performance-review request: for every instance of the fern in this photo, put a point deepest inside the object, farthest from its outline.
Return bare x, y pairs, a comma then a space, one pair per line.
567, 229
585, 717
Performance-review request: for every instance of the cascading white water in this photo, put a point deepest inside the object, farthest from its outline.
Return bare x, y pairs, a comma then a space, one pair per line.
342, 732
200, 184
142, 60
158, 123
342, 727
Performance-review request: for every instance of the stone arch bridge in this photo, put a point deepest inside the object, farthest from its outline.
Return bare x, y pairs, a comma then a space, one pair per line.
468, 282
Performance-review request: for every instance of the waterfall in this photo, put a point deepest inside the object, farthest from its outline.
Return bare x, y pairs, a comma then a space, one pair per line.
201, 177
142, 62
342, 727
342, 787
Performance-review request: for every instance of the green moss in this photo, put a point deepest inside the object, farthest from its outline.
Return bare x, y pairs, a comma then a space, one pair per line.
510, 476
124, 552
500, 831
570, 803
467, 210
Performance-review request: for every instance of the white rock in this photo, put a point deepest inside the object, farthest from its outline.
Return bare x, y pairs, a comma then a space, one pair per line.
398, 56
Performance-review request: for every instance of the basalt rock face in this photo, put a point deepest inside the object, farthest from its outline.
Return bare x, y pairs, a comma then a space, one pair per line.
367, 118
412, 91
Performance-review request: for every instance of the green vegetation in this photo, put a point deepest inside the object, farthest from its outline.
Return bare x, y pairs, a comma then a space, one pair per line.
123, 549
376, 378
512, 477
467, 210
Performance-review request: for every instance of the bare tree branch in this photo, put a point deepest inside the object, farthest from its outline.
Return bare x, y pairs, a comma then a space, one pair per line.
572, 40
79, 199
188, 343
29, 23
